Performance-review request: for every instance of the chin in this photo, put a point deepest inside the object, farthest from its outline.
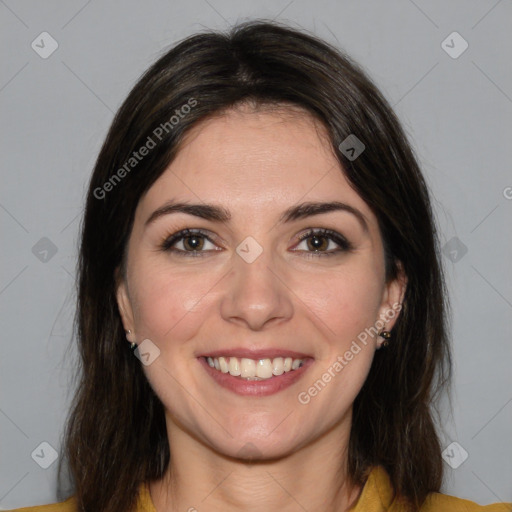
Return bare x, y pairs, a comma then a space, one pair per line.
262, 441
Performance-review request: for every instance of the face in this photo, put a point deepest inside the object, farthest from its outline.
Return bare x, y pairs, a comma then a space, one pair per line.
256, 289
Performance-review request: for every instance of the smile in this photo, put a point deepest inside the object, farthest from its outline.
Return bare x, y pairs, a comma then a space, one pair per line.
263, 374
254, 369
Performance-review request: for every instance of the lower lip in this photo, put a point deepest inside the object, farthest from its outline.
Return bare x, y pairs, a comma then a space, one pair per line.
264, 387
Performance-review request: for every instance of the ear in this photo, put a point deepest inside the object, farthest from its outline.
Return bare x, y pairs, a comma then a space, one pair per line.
124, 305
392, 299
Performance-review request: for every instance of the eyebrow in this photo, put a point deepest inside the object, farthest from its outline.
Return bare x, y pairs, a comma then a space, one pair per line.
220, 214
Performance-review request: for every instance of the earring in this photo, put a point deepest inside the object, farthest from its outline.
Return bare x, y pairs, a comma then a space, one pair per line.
387, 336
132, 344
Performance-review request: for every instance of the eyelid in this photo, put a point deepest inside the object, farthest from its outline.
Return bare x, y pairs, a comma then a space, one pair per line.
343, 243
169, 240
167, 243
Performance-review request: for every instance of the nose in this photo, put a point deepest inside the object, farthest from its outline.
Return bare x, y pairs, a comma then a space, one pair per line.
256, 293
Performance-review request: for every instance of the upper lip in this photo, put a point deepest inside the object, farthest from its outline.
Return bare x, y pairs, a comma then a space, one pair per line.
262, 353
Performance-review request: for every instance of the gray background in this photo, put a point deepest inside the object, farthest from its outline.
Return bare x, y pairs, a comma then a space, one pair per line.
55, 114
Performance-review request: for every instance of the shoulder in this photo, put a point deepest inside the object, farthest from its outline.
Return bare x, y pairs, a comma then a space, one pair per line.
64, 506
144, 504
437, 502
378, 489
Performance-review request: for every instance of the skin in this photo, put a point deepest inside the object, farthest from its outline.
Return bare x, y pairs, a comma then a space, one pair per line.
256, 164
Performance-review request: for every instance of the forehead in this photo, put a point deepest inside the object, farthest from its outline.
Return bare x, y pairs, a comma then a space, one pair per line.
258, 162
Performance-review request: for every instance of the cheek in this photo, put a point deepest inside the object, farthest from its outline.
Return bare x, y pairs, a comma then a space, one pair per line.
346, 302
343, 306
168, 303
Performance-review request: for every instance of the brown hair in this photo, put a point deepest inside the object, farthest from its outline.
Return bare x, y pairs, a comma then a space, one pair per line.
116, 437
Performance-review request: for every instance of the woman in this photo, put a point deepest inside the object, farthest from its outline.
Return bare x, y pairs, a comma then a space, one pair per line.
259, 232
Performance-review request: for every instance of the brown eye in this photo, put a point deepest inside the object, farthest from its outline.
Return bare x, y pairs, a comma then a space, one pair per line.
323, 242
317, 243
193, 242
188, 243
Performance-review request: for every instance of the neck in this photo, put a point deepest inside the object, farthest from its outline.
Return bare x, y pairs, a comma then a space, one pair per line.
313, 478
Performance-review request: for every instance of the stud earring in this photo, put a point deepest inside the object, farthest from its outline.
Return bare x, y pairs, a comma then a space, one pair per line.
387, 336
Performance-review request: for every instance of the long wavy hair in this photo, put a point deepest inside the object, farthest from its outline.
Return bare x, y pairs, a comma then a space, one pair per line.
115, 437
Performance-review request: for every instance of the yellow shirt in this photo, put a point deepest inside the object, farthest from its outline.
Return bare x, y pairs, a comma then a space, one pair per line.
375, 497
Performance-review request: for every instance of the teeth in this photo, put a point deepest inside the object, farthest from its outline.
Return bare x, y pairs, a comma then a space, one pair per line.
247, 367
234, 366
223, 365
250, 369
264, 369
278, 366
296, 363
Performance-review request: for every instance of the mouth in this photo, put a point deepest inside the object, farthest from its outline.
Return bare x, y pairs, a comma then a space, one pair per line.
259, 375
254, 369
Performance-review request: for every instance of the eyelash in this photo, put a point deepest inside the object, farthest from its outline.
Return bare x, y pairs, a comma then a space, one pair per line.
167, 244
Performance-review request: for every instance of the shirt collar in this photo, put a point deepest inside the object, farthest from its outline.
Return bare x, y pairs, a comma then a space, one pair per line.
377, 493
